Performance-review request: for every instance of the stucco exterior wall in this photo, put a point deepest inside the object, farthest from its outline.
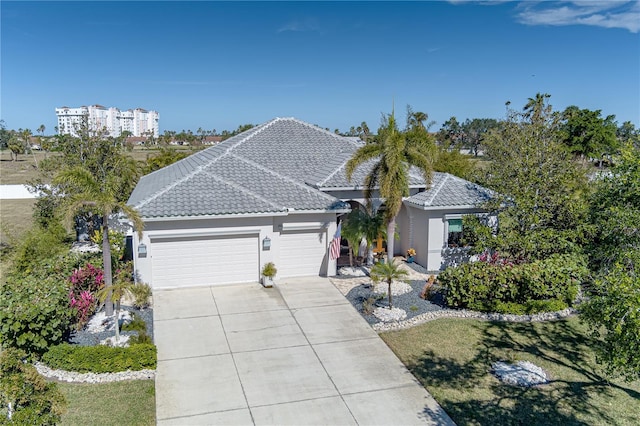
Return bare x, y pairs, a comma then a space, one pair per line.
264, 226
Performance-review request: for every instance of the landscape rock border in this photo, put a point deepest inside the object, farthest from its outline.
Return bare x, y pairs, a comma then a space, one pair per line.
452, 313
75, 377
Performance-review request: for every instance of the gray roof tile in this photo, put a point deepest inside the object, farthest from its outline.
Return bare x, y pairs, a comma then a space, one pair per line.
278, 166
451, 191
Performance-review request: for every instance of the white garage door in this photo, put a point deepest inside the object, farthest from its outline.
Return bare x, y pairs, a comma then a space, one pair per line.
195, 261
302, 253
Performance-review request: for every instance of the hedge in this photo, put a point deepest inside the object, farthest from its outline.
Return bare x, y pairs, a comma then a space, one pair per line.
101, 359
540, 286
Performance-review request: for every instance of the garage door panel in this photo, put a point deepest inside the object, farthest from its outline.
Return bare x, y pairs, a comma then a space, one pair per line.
302, 253
204, 261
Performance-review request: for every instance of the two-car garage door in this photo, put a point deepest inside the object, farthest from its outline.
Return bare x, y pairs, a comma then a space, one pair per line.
207, 260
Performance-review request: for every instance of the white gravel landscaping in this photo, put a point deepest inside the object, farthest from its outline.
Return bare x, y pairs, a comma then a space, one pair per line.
390, 315
522, 373
397, 288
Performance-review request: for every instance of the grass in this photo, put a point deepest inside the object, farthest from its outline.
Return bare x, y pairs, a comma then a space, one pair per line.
117, 403
452, 359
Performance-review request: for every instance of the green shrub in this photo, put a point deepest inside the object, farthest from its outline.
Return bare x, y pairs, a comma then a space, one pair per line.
521, 288
137, 324
141, 293
101, 359
34, 313
38, 246
32, 399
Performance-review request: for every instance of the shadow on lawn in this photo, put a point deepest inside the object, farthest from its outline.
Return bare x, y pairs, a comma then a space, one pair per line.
557, 343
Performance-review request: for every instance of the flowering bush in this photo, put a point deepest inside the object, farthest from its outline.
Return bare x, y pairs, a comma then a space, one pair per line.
85, 282
494, 259
411, 252
84, 306
88, 278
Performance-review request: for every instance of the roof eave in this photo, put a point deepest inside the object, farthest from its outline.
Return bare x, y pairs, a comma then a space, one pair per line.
448, 207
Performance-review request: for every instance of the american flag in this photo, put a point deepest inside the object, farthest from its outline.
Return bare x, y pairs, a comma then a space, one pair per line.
334, 246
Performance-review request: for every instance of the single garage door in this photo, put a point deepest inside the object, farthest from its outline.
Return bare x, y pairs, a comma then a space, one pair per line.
302, 253
196, 261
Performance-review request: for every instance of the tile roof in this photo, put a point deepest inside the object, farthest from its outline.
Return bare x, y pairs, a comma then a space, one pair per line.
450, 191
279, 166
258, 171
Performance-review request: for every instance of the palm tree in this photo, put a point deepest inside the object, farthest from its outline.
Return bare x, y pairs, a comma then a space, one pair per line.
535, 107
83, 190
122, 285
352, 232
388, 272
394, 154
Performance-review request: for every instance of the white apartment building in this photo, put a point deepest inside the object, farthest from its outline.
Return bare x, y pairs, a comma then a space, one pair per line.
111, 121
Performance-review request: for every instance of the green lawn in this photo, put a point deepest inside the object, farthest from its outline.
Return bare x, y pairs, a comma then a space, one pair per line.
452, 359
117, 403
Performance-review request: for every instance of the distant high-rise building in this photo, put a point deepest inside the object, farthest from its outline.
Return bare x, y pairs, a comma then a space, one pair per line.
112, 121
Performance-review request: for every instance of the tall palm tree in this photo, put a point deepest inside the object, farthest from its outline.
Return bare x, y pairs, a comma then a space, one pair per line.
393, 153
83, 190
388, 272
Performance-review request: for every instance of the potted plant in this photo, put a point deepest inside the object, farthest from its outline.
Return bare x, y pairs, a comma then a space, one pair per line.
268, 273
410, 255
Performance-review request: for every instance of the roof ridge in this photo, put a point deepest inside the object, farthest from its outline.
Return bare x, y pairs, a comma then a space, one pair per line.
198, 169
257, 130
332, 174
313, 126
286, 178
437, 190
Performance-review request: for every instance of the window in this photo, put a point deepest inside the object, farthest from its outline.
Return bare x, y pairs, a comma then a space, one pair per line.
454, 232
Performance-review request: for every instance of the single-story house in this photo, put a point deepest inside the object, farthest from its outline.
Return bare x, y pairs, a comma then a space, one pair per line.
276, 193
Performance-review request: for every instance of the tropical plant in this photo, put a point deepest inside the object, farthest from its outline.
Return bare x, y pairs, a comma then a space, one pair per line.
83, 189
352, 232
388, 272
393, 152
121, 286
269, 270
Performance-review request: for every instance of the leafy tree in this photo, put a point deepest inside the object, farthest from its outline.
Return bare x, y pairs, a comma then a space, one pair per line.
5, 135
613, 309
454, 162
539, 189
26, 398
16, 144
628, 134
392, 153
613, 312
588, 135
474, 132
388, 272
450, 134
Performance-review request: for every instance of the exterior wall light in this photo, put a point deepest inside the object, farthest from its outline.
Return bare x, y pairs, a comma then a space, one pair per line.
142, 250
266, 243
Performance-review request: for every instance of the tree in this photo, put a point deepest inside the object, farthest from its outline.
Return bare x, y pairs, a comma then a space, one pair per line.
474, 132
352, 232
539, 188
388, 272
392, 152
628, 134
122, 285
82, 190
613, 313
16, 144
613, 306
588, 135
41, 129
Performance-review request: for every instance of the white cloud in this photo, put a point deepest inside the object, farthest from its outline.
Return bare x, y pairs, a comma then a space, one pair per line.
606, 14
300, 25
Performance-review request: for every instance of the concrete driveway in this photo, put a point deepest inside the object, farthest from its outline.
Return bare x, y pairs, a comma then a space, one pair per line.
295, 354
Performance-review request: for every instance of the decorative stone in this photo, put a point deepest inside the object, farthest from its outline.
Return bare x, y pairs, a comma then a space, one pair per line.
100, 322
522, 373
390, 315
349, 271
397, 288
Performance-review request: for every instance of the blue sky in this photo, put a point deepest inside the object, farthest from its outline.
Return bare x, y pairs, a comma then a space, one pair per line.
217, 65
